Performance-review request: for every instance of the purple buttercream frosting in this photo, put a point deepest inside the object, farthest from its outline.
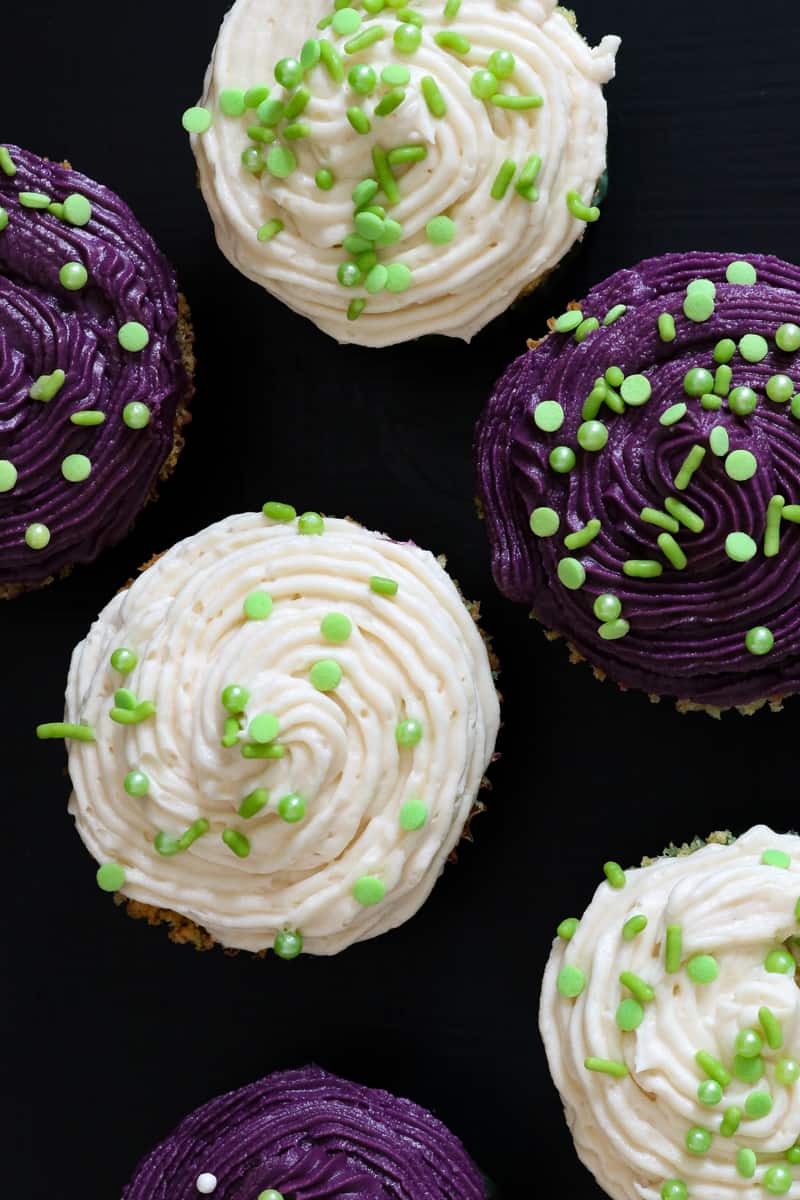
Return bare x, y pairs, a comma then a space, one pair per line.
310, 1136
687, 626
44, 328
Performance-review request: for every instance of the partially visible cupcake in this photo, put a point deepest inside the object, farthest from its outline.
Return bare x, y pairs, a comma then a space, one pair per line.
304, 1135
95, 369
670, 1014
391, 171
639, 470
278, 733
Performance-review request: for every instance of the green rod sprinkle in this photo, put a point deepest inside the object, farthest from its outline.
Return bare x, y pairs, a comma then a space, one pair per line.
297, 103
324, 179
134, 716
606, 1067
451, 9
634, 926
503, 179
449, 40
62, 729
772, 1028
525, 185
275, 750
331, 60
355, 309
712, 1067
614, 874
519, 104
367, 37
582, 537
672, 551
324, 22
581, 211
642, 568
723, 377
359, 119
594, 402
653, 517
690, 464
236, 842
666, 327
791, 513
267, 232
772, 535
380, 160
410, 16
643, 992
433, 97
390, 102
406, 154
7, 165
568, 928
674, 951
194, 832
614, 314
677, 509
231, 732
299, 129
87, 417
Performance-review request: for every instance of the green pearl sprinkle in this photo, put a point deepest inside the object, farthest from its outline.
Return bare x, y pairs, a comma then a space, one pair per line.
548, 416
673, 414
407, 39
592, 435
503, 179
562, 459
748, 1070
76, 468
236, 842
408, 733
608, 608
787, 1071
483, 84
741, 273
235, 698
614, 314
630, 1015
698, 381
792, 1155
571, 573
413, 815
690, 464
779, 961
73, 276
746, 1163
37, 536
568, 928
731, 1120
777, 1180
753, 348
369, 890
291, 808
742, 401
719, 441
123, 660
310, 524
254, 803
643, 991
270, 1194
110, 877
698, 1140
502, 64
571, 982
642, 568
288, 944
748, 1043
740, 547
136, 415
771, 1027
666, 327
674, 949
196, 120
324, 179
8, 475
136, 783
709, 1093
674, 1189
606, 1066
741, 465
787, 338
698, 306
288, 72
702, 968
614, 874
133, 336
253, 161
780, 389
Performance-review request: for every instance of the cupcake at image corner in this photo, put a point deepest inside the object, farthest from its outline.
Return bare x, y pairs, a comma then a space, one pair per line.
670, 1014
95, 369
395, 170
639, 472
309, 1134
278, 733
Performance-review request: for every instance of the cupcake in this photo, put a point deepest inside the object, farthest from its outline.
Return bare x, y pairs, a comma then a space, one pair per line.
671, 1020
298, 1135
95, 369
278, 733
391, 171
639, 471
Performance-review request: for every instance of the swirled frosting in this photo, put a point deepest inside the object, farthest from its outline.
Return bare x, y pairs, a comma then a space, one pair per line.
683, 513
309, 1136
61, 357
498, 247
384, 720
685, 1112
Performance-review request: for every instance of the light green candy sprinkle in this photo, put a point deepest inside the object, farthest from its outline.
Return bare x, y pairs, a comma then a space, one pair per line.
395, 75
673, 414
76, 467
634, 925
568, 321
571, 982
741, 272
73, 276
702, 968
77, 210
8, 475
698, 306
413, 815
753, 348
568, 928
133, 336
196, 120
612, 631
758, 1104
571, 573
614, 314
545, 522
37, 536
636, 390
231, 101
746, 1162
719, 441
336, 627
281, 162
440, 230
136, 415
740, 547
630, 1015
325, 675
608, 608
548, 416
709, 1093
666, 327
269, 230
741, 465
110, 877
346, 21
724, 351
33, 200
399, 277
369, 890
787, 338
258, 606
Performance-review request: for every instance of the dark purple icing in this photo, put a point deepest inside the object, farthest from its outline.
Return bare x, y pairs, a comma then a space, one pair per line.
44, 327
310, 1136
687, 628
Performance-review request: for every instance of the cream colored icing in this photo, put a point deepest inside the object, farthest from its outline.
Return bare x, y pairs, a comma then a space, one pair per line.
500, 248
631, 1132
416, 655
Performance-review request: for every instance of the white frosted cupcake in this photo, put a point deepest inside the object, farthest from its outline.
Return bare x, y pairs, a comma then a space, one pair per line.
278, 733
395, 170
671, 1019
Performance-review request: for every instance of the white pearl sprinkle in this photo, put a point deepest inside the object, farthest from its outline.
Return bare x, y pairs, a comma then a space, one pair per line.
206, 1183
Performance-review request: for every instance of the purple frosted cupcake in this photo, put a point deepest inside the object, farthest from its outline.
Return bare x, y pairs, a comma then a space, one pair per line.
639, 470
95, 369
305, 1135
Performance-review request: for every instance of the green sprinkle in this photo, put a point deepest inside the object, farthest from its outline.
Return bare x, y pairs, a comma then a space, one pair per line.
674, 949
231, 102
753, 348
281, 162
76, 468
614, 874
309, 54
674, 1189
568, 928
407, 39
652, 516
288, 72
291, 808
253, 160
47, 387
383, 587
606, 1067
643, 992
369, 890
772, 534
673, 414
136, 415
731, 1120
346, 21
390, 102
273, 750
723, 377
633, 927
349, 274
758, 1104
288, 944
777, 1180
767, 1019
110, 877
62, 729
258, 606
615, 377
7, 165
666, 327
8, 475
325, 675
33, 199
377, 278
382, 170
706, 286
571, 982
780, 962
483, 84
274, 510
336, 627
787, 1071
331, 60
748, 1070
709, 1093
607, 608
256, 95
413, 815
310, 524
196, 120
408, 733
780, 389
230, 733
742, 273
698, 1140
127, 716
456, 42
503, 179
264, 728
407, 154
740, 547
359, 120
713, 1068
324, 179
271, 111
611, 631
636, 390
792, 1155
685, 515
746, 1163
451, 9
3, 219
521, 104
254, 803
195, 831
581, 211
548, 416
758, 641
544, 522
642, 568
125, 698
37, 536
396, 75
787, 338
630, 1015
73, 276
133, 336
355, 309
562, 459
88, 417
236, 842
582, 537
614, 314
724, 351
592, 435
690, 464
582, 332
672, 551
698, 306
440, 230
367, 37
776, 858
235, 698
742, 401
791, 513
711, 403
741, 465
571, 573
698, 381
268, 231
430, 91
702, 968
77, 210
299, 129
410, 16
568, 321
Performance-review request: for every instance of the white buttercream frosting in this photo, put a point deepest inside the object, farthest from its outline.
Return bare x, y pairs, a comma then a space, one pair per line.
631, 1132
500, 248
416, 655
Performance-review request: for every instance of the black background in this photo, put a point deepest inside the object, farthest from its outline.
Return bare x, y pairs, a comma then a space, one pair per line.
111, 1033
